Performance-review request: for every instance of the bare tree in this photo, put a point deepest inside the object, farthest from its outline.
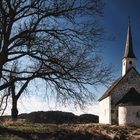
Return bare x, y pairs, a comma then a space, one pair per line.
55, 40
14, 91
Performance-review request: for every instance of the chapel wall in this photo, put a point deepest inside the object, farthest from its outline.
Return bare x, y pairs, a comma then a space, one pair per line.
132, 80
105, 111
129, 115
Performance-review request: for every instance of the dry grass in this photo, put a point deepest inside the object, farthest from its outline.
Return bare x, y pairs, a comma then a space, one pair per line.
109, 131
10, 122
26, 130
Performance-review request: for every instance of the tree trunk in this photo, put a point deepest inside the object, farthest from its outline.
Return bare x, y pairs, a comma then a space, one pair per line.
14, 110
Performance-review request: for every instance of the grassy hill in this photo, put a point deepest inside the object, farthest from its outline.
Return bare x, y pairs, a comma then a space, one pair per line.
57, 117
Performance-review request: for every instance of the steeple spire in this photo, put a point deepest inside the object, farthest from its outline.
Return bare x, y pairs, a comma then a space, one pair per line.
129, 59
129, 53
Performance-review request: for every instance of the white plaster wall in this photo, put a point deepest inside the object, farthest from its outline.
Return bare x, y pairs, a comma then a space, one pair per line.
105, 111
126, 65
128, 115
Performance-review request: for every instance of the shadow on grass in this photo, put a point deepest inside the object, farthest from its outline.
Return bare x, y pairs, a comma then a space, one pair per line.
56, 135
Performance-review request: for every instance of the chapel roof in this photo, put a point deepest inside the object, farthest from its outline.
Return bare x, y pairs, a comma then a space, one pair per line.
107, 93
132, 97
129, 53
115, 84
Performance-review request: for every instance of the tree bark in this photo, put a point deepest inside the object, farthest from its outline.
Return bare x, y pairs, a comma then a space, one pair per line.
14, 110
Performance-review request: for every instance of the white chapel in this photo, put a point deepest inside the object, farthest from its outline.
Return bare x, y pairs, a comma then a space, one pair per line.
120, 104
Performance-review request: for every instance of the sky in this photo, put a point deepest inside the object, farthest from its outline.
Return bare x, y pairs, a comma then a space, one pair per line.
115, 23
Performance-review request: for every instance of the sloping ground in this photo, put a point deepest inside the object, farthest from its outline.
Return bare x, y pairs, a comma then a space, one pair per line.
28, 131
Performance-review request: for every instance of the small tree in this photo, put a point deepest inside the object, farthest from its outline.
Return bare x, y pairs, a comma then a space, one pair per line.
54, 40
13, 93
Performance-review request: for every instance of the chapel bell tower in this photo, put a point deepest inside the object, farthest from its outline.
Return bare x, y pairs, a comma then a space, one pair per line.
129, 59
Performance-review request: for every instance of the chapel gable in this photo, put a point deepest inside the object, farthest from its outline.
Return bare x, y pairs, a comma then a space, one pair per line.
130, 80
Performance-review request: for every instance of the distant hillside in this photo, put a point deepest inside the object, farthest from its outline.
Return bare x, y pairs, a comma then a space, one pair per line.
58, 117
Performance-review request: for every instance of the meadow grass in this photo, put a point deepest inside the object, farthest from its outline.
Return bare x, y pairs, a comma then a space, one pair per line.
38, 131
10, 137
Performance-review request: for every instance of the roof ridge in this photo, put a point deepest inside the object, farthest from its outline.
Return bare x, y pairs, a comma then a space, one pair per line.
131, 97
